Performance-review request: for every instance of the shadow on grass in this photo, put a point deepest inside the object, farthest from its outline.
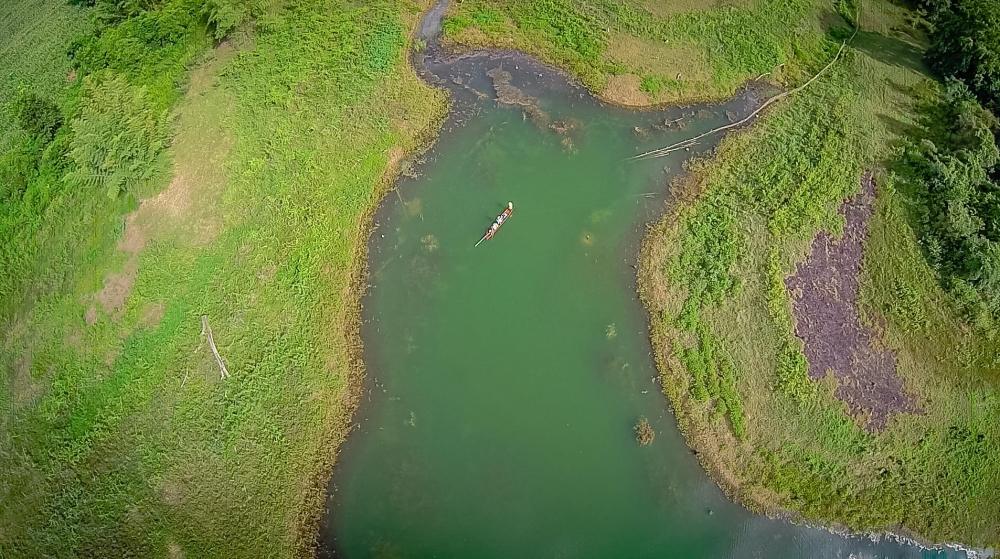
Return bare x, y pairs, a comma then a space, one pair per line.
891, 51
901, 130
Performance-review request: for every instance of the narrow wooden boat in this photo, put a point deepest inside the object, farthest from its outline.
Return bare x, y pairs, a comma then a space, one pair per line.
500, 220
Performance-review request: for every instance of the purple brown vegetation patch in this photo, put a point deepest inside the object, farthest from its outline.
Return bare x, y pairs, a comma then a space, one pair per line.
824, 292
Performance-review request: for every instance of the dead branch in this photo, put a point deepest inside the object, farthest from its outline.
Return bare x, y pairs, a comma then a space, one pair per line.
206, 331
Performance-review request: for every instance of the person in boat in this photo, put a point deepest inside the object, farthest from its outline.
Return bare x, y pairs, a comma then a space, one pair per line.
495, 226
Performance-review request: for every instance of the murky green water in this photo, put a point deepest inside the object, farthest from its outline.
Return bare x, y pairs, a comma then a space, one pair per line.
505, 379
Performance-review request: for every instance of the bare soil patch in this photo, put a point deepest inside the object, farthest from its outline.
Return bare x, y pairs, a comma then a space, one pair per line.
682, 62
172, 492
135, 237
182, 206
824, 292
175, 204
152, 314
23, 387
626, 89
117, 288
90, 317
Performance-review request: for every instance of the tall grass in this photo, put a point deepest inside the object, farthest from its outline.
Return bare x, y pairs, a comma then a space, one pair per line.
35, 37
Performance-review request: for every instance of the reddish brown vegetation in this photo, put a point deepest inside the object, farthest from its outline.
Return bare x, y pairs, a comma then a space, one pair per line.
824, 292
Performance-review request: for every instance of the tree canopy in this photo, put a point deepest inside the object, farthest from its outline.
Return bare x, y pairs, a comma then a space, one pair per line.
966, 45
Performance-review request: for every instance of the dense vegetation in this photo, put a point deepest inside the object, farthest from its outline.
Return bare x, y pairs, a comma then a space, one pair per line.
258, 162
965, 43
716, 269
954, 170
953, 164
102, 133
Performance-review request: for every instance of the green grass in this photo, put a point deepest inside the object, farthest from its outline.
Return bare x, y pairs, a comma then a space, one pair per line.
688, 53
119, 437
35, 36
715, 274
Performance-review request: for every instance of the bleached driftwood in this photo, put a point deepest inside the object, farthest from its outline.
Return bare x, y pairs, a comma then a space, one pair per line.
206, 331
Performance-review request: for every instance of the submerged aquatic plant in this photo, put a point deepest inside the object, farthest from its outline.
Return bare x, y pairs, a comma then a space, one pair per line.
644, 432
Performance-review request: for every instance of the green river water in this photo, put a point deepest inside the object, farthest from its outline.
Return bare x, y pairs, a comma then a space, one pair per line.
504, 380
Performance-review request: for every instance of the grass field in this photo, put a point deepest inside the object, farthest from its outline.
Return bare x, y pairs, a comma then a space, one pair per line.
35, 36
653, 51
119, 436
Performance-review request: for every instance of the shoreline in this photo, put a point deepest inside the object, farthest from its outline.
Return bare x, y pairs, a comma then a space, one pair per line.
357, 378
684, 191
681, 195
460, 49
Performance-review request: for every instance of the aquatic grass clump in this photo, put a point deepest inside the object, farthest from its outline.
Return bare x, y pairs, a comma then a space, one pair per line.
644, 433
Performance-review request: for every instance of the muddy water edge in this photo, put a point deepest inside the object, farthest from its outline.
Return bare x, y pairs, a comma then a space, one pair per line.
504, 380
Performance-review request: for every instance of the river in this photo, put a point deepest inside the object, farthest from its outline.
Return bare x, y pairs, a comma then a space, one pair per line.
505, 379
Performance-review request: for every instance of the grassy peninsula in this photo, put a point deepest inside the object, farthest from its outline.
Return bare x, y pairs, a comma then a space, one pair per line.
202, 159
717, 272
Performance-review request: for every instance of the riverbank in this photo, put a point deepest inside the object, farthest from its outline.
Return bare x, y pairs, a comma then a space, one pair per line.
715, 269
123, 438
641, 53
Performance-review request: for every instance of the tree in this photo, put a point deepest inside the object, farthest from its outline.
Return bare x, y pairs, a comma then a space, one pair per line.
956, 164
966, 44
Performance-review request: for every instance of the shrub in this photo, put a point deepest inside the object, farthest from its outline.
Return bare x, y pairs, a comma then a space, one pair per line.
711, 247
116, 137
113, 11
37, 116
18, 166
654, 85
792, 374
225, 15
151, 48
